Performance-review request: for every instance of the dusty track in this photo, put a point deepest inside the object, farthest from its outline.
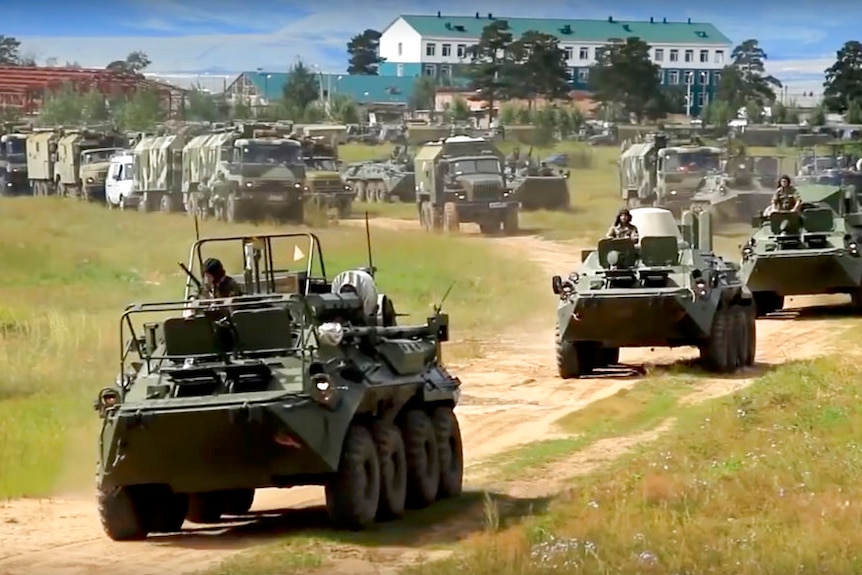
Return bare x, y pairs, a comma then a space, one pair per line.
511, 396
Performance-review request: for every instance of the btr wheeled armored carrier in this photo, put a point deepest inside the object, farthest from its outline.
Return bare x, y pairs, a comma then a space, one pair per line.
743, 188
815, 250
302, 381
667, 290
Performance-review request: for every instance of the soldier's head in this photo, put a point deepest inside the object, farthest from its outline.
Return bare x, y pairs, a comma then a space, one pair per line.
624, 216
213, 270
784, 182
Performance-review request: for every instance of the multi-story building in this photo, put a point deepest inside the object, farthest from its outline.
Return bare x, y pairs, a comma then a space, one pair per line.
690, 54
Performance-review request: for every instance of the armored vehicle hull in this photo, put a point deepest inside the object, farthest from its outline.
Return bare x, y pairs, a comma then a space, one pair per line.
303, 381
662, 292
732, 205
541, 192
385, 181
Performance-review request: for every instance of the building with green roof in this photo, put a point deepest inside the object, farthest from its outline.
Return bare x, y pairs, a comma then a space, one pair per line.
688, 52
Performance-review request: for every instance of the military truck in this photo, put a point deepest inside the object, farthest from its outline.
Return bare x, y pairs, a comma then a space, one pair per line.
459, 180
244, 171
324, 182
302, 381
41, 149
668, 290
158, 168
13, 164
654, 173
83, 158
811, 251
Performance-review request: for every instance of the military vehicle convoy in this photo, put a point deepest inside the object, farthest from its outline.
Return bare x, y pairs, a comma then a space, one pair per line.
460, 179
743, 188
668, 290
655, 173
244, 172
303, 381
71, 162
812, 251
324, 182
13, 164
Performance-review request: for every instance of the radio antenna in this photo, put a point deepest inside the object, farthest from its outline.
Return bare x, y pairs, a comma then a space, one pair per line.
371, 267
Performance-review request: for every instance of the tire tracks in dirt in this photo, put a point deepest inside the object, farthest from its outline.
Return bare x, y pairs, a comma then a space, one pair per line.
512, 396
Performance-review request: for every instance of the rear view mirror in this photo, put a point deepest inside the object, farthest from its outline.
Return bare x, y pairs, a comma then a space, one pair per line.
557, 285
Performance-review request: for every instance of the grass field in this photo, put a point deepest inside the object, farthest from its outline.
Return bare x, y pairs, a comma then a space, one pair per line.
69, 270
763, 482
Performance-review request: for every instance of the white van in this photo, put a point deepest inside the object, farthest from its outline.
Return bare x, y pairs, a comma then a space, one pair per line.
119, 186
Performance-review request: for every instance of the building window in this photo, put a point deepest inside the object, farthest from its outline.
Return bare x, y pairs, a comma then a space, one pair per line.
400, 48
660, 76
430, 49
689, 78
659, 54
674, 55
446, 70
701, 99
399, 70
584, 75
719, 56
673, 77
570, 72
462, 50
704, 78
584, 53
569, 52
704, 56
446, 50
430, 70
716, 76
689, 55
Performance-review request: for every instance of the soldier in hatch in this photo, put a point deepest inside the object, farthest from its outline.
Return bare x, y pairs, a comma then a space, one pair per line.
217, 280
623, 227
786, 198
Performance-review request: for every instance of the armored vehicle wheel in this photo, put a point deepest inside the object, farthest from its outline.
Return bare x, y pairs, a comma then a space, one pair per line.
720, 351
448, 434
371, 192
751, 328
393, 470
383, 195
206, 507
359, 188
352, 497
61, 189
120, 512
450, 218
238, 501
345, 208
768, 302
423, 459
606, 356
573, 359
231, 209
167, 510
510, 222
166, 204
739, 341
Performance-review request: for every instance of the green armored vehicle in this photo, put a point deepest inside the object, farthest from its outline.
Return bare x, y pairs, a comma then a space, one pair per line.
656, 173
742, 189
302, 381
812, 251
669, 290
245, 172
536, 185
460, 179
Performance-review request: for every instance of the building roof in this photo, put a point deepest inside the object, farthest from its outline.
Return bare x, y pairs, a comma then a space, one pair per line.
363, 89
657, 30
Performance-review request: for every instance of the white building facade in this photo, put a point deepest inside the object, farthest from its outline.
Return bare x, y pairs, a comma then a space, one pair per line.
690, 54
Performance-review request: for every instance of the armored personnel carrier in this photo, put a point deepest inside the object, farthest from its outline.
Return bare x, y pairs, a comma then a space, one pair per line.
668, 290
743, 188
812, 251
302, 381
539, 187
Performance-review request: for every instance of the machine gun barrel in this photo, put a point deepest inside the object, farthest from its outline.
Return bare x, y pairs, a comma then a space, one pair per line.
436, 326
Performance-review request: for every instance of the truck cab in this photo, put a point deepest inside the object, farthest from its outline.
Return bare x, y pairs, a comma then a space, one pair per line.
13, 164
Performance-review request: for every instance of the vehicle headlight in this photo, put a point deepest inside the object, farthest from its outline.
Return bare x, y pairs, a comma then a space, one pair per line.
249, 184
747, 252
90, 180
853, 247
673, 192
297, 185
323, 391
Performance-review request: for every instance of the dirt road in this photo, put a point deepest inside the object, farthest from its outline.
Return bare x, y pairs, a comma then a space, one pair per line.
511, 396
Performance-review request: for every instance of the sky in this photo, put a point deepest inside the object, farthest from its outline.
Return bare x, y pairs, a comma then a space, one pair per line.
220, 36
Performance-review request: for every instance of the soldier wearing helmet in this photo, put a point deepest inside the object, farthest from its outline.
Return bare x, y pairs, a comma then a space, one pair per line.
623, 228
786, 197
221, 284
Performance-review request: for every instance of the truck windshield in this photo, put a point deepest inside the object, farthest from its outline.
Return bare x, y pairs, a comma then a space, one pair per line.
478, 166
692, 161
98, 156
15, 147
258, 153
322, 164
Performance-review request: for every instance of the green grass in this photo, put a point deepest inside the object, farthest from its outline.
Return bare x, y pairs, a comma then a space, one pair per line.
69, 269
764, 481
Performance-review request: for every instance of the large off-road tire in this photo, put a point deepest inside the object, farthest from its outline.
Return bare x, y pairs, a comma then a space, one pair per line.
121, 514
451, 224
751, 330
568, 362
718, 351
166, 204
167, 510
423, 458
238, 501
232, 209
207, 507
606, 356
393, 470
739, 338
353, 496
510, 222
448, 435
